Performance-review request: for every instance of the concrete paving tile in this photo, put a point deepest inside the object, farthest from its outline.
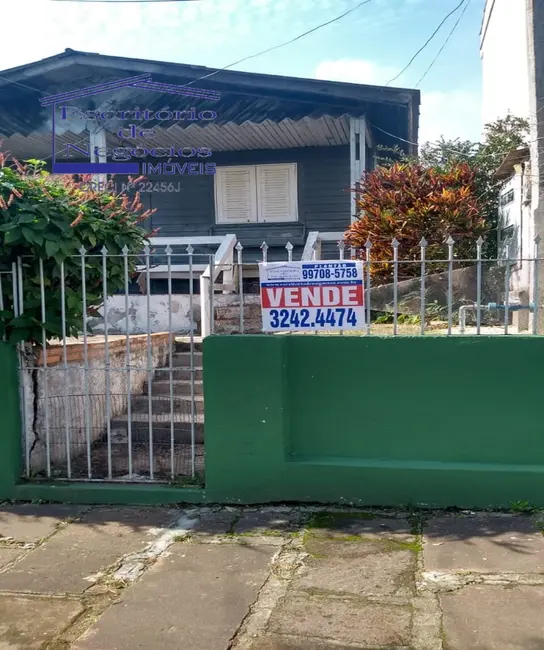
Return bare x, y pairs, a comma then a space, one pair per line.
487, 543
214, 523
353, 546
29, 523
67, 562
276, 642
494, 618
31, 623
375, 574
363, 524
7, 555
266, 523
343, 620
194, 598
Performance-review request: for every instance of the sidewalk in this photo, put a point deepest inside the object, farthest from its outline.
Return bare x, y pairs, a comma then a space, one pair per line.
270, 578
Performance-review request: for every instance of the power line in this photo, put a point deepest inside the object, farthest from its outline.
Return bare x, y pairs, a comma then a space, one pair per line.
276, 47
230, 65
251, 56
426, 43
445, 43
416, 144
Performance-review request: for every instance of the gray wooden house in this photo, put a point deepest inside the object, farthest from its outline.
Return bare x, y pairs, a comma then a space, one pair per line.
286, 151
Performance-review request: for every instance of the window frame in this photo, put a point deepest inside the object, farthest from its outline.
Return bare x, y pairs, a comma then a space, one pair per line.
507, 197
292, 168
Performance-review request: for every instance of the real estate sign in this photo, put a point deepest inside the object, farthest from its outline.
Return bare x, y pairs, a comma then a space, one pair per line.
306, 296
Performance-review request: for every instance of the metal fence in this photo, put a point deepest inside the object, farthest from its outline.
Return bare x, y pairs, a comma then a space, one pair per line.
415, 296
104, 402
107, 406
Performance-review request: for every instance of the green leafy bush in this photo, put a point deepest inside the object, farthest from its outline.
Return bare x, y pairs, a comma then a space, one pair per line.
408, 202
49, 218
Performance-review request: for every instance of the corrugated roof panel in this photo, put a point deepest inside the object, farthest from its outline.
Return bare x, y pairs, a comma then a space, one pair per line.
308, 132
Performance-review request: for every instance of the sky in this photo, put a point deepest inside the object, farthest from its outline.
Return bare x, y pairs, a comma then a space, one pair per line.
371, 45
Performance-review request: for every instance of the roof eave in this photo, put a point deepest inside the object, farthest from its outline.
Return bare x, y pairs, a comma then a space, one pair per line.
248, 81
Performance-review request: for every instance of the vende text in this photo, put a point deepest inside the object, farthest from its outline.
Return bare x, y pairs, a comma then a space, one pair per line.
320, 296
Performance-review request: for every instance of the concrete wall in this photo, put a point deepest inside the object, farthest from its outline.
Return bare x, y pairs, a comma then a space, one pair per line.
136, 320
535, 22
66, 394
464, 290
159, 308
376, 421
503, 50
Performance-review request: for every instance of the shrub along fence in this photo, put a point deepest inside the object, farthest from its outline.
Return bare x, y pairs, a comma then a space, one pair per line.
433, 421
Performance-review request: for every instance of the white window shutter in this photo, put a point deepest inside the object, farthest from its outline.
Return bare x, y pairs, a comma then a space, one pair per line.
277, 192
235, 195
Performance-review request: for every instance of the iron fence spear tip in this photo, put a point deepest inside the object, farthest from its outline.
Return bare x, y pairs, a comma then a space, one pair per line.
189, 249
82, 250
168, 250
104, 250
423, 243
239, 246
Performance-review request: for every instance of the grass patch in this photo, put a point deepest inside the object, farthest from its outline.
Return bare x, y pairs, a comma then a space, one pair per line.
329, 519
522, 507
266, 532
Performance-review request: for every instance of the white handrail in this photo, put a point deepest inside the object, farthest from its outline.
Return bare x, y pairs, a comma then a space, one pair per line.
312, 247
223, 262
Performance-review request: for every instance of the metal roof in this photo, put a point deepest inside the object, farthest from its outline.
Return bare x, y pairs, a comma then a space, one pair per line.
255, 111
287, 134
513, 157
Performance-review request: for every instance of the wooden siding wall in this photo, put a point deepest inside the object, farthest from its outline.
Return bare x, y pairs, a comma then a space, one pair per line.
323, 197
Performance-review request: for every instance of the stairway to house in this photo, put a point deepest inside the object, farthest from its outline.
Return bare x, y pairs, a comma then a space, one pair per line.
161, 402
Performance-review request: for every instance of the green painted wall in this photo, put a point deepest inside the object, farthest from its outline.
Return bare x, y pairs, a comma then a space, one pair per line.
381, 421
10, 423
351, 420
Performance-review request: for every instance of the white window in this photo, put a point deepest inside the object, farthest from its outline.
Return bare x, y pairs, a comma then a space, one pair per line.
256, 193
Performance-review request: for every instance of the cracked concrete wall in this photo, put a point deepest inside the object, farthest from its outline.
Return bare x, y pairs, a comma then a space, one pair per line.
67, 414
135, 318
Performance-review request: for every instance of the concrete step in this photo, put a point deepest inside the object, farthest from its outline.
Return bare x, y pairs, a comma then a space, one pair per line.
160, 404
185, 346
161, 429
184, 359
178, 373
179, 387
